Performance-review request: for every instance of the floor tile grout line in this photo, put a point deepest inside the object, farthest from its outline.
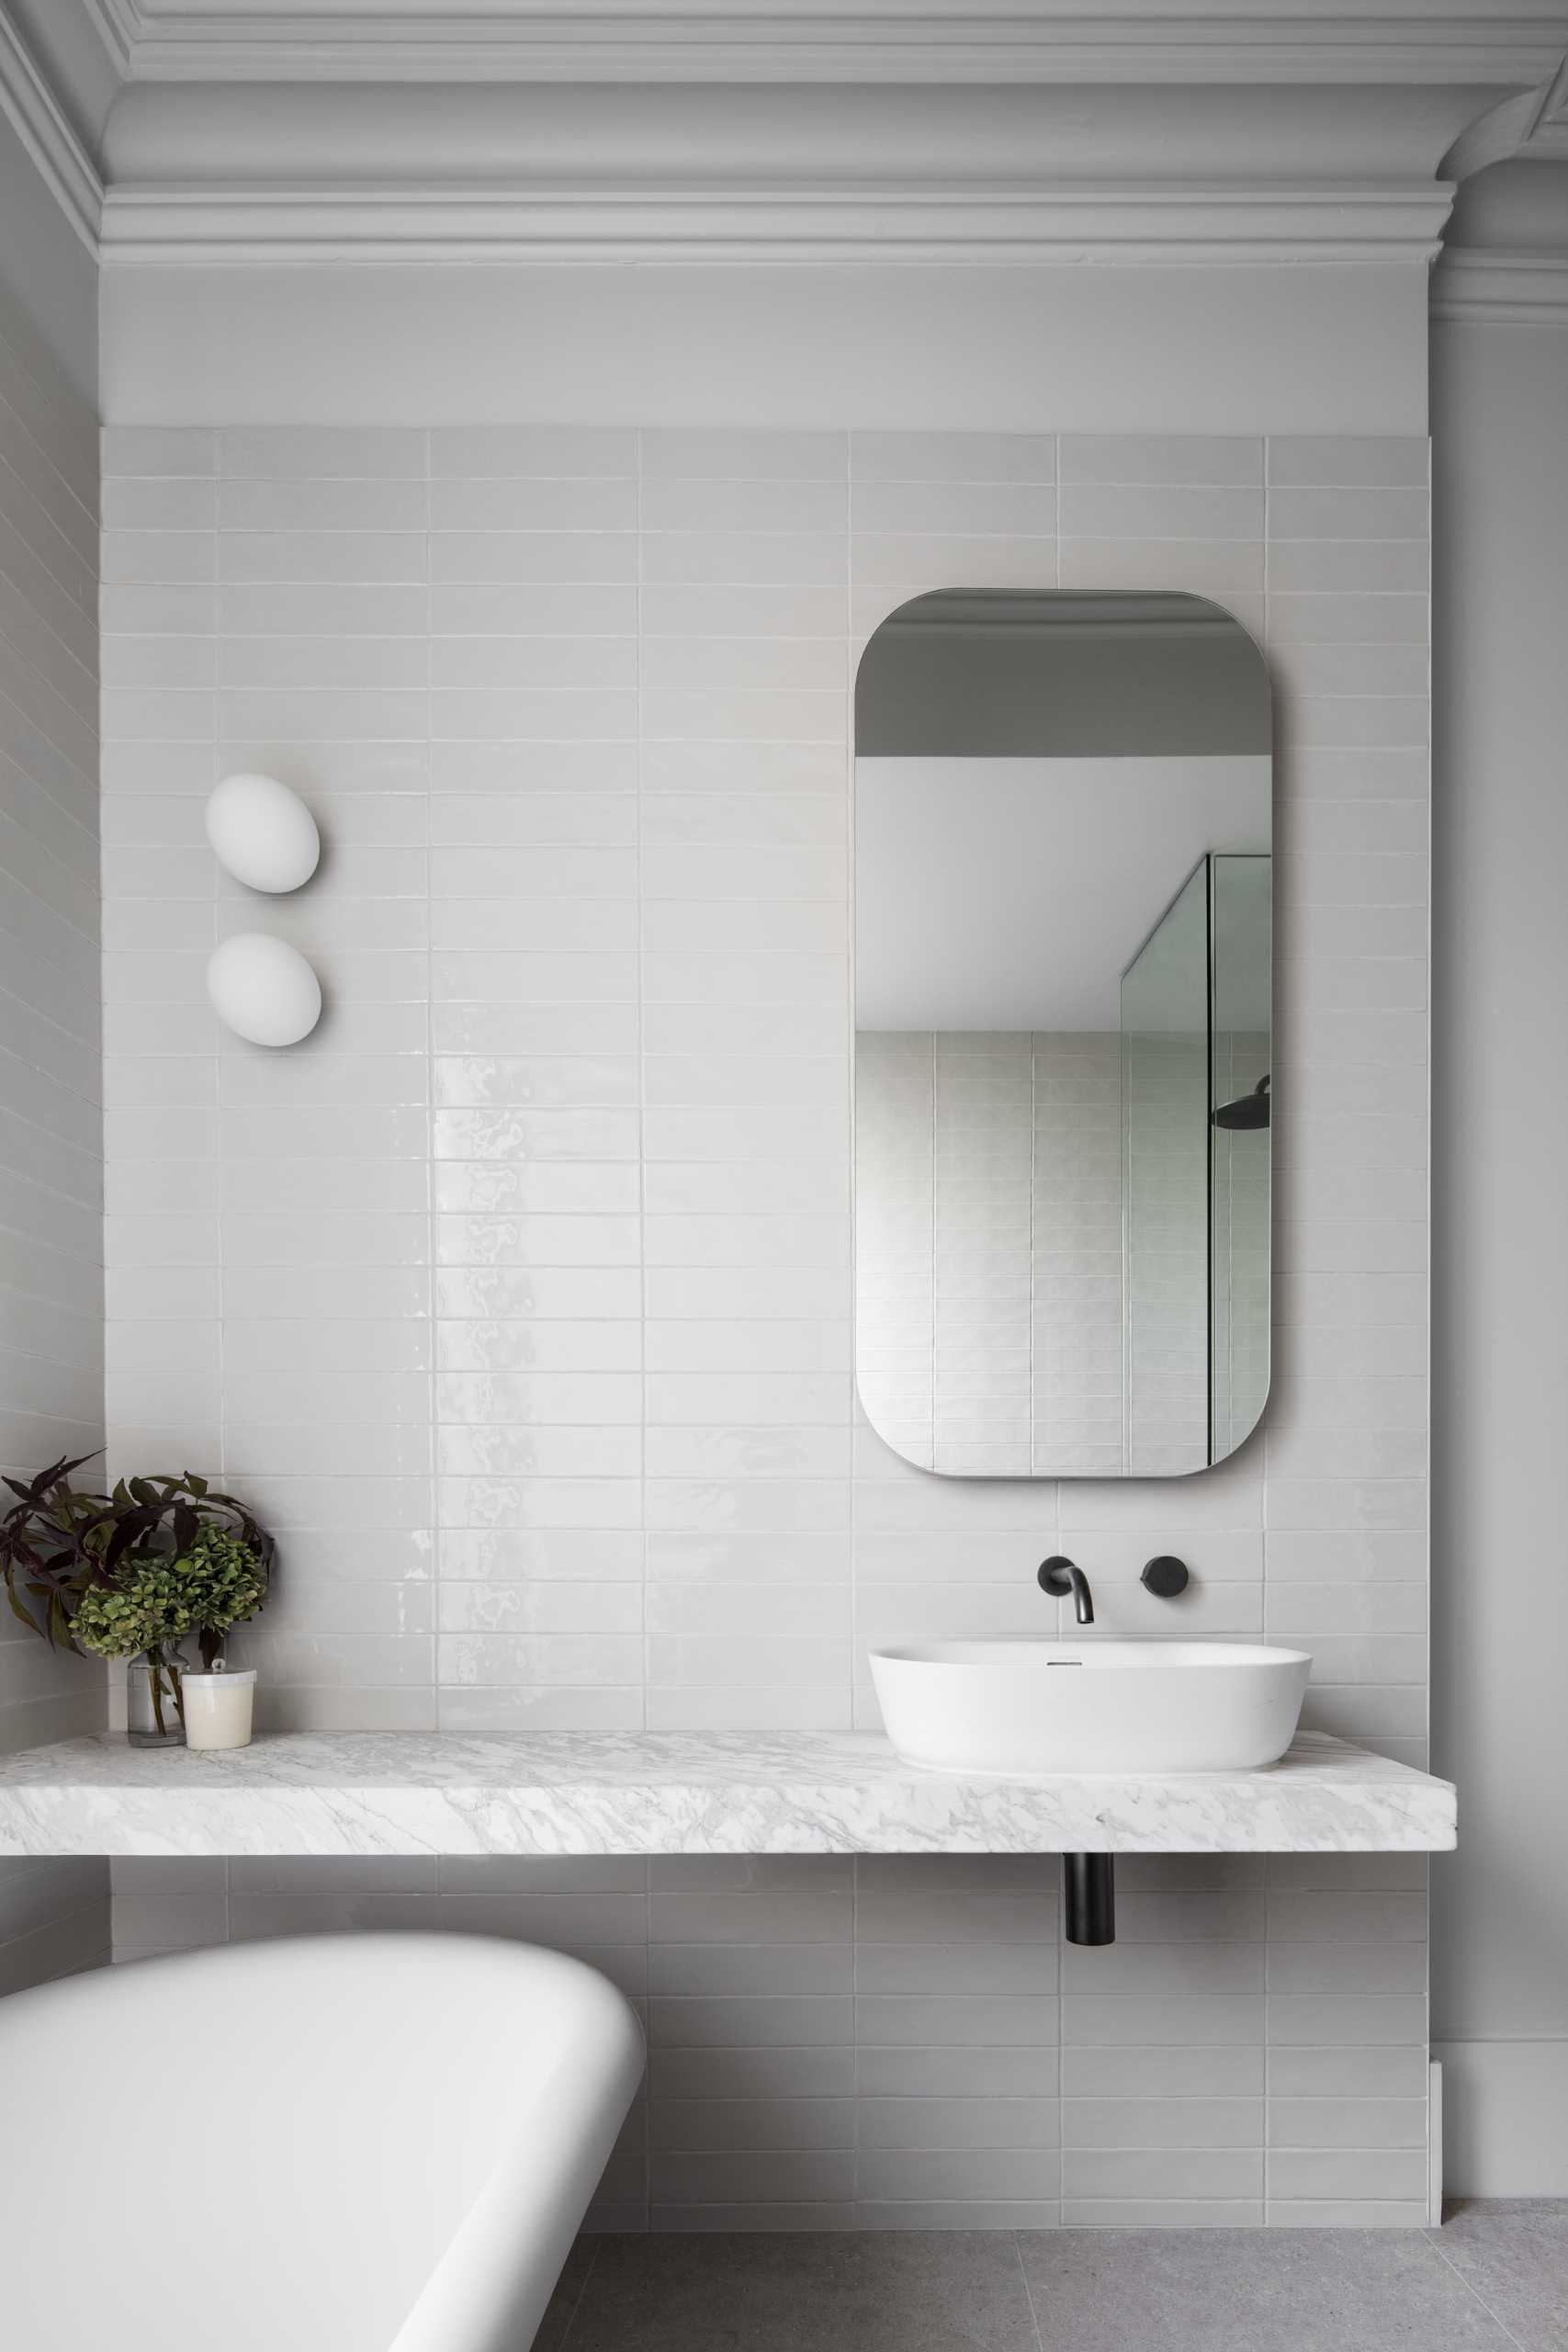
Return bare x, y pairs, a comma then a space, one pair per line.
1431, 2237
1028, 2291
577, 2302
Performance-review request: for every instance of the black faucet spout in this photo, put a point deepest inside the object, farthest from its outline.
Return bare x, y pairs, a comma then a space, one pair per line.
1059, 1576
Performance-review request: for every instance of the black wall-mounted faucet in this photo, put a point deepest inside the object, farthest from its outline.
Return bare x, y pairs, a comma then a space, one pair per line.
1058, 1575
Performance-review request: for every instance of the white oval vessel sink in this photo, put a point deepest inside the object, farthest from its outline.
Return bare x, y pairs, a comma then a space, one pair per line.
1032, 1706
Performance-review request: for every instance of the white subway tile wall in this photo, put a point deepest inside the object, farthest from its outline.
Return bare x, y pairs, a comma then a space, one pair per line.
54, 1920
51, 1177
519, 1299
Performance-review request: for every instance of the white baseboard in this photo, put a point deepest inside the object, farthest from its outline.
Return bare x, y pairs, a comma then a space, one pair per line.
1504, 2115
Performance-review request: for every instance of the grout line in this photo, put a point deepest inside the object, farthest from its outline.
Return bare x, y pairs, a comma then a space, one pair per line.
855, 2095
432, 1427
577, 2305
218, 1050
639, 978
1431, 2237
847, 800
1028, 2290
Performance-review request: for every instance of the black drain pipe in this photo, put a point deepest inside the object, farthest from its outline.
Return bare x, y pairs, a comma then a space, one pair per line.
1089, 1898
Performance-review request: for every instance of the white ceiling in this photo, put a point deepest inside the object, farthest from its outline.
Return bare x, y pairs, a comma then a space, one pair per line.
1011, 893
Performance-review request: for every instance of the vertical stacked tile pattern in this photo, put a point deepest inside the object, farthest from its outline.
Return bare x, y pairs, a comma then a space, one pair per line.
745, 567
536, 1127
51, 1282
520, 1296
267, 607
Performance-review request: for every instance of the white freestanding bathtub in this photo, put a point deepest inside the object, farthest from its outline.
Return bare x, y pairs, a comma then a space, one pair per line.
329, 2143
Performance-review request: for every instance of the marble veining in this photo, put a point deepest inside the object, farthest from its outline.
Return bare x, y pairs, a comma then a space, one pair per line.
687, 1792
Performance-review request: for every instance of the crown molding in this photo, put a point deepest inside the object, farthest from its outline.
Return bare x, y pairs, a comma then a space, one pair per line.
1502, 288
1171, 225
33, 112
1253, 131
688, 173
820, 41
119, 26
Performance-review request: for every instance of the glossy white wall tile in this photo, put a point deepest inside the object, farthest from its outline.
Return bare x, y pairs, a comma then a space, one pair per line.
519, 1299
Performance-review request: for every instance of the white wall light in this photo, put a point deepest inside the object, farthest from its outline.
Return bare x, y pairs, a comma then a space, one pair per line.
264, 989
261, 832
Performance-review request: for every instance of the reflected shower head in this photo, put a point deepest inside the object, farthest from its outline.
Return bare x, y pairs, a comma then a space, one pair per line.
1247, 1111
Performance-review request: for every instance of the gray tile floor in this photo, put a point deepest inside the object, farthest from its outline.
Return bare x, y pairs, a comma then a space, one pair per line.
1495, 2279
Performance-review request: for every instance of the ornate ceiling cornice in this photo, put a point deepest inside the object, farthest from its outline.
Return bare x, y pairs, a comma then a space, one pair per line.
694, 173
1185, 225
822, 40
1502, 288
915, 131
35, 114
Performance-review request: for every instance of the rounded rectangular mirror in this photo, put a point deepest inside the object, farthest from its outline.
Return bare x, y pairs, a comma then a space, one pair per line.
1062, 1000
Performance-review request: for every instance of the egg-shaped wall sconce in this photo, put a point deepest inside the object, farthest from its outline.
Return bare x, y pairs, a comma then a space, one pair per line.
261, 832
263, 990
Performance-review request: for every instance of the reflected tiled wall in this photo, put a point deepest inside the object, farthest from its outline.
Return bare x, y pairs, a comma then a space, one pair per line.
988, 1262
51, 1284
1166, 1082
519, 1299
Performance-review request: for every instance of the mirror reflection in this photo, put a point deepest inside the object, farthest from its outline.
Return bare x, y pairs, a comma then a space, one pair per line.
1063, 1033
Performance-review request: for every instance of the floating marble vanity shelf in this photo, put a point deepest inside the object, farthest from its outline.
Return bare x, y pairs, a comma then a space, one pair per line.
710, 1793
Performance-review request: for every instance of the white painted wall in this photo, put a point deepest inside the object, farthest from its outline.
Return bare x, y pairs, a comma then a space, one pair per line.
1500, 1728
1091, 349
1013, 893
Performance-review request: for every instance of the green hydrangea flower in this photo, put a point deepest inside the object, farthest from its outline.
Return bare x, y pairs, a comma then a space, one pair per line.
142, 1609
224, 1582
154, 1600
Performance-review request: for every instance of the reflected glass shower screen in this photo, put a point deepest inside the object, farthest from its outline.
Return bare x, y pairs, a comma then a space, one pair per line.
1166, 1219
1241, 954
1196, 1014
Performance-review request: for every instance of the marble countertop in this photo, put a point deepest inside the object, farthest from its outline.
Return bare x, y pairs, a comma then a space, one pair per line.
685, 1792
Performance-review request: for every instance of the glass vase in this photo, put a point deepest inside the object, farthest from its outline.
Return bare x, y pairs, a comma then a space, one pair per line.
154, 1704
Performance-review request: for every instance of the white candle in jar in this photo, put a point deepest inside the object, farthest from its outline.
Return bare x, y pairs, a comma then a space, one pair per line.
217, 1708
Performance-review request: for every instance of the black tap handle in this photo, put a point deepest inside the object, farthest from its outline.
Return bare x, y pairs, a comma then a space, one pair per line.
1056, 1575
